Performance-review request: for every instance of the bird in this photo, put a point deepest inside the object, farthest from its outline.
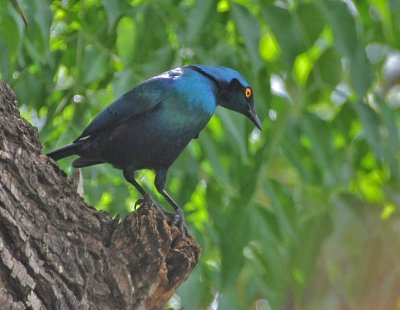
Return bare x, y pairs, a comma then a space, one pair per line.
149, 126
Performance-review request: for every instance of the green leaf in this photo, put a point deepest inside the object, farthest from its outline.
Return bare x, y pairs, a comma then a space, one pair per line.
211, 153
249, 29
313, 232
5, 68
235, 131
198, 18
286, 32
349, 42
282, 209
360, 72
232, 258
370, 124
43, 18
126, 40
329, 68
392, 137
321, 144
311, 22
343, 26
20, 11
94, 65
115, 9
9, 33
269, 48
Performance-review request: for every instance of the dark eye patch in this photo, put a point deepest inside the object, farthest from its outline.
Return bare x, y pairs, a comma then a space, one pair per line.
236, 84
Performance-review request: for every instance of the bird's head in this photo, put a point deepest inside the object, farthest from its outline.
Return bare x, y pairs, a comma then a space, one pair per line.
234, 92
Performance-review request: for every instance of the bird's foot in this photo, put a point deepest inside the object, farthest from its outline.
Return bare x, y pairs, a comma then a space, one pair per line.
146, 199
179, 221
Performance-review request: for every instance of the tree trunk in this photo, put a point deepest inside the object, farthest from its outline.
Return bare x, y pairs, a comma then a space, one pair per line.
56, 252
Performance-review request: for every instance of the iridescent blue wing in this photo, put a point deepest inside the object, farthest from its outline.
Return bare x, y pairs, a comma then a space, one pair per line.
140, 99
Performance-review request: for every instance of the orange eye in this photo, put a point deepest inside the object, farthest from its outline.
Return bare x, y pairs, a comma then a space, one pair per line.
248, 92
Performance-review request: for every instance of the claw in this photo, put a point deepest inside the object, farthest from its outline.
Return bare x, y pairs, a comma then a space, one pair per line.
179, 221
138, 202
146, 199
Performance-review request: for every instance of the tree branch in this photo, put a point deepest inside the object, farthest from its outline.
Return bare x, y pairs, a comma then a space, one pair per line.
56, 252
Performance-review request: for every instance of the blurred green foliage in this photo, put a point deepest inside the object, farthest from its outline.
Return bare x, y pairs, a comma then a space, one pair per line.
304, 215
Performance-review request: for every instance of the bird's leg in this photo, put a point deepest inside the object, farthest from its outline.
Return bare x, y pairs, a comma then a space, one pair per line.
129, 175
161, 178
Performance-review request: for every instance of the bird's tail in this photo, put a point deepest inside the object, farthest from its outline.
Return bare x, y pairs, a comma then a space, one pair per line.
65, 151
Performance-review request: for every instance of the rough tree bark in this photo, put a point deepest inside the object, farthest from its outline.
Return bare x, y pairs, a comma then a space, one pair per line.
56, 252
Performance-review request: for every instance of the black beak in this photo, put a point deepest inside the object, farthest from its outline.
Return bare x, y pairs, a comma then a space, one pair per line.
254, 118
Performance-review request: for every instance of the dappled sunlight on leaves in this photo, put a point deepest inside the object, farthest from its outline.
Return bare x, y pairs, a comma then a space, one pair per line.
303, 215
